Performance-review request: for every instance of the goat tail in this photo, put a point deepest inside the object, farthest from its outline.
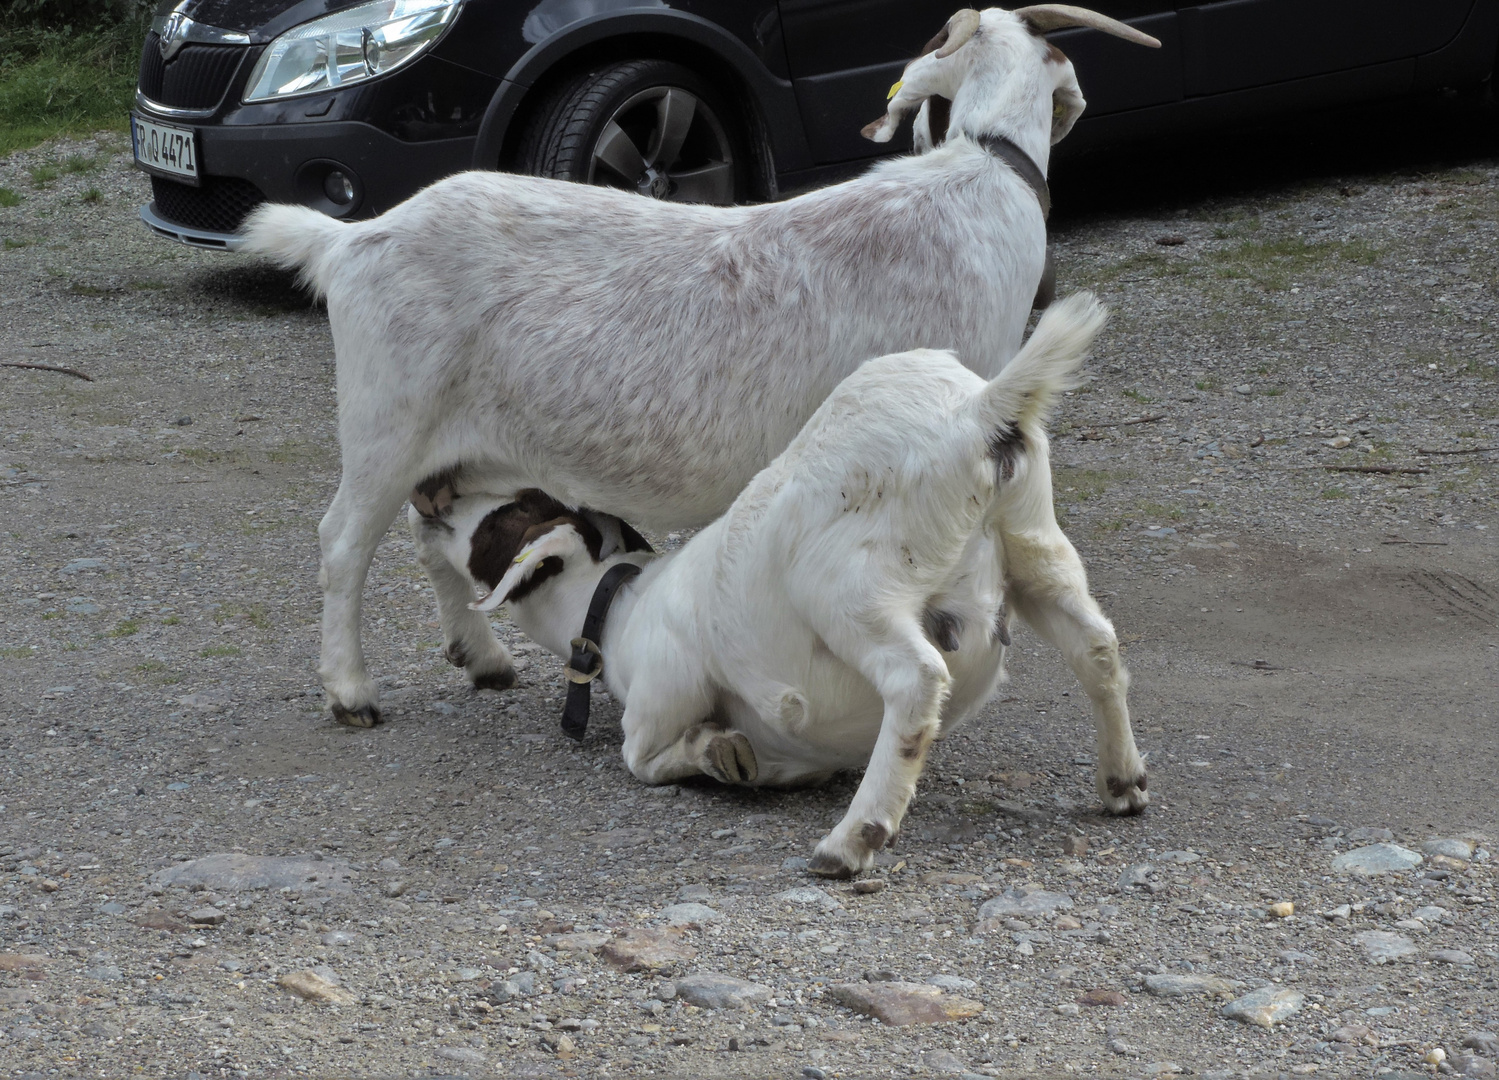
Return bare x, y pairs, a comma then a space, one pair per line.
1024, 393
297, 238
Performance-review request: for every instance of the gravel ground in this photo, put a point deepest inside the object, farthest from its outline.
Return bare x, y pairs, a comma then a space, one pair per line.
464, 892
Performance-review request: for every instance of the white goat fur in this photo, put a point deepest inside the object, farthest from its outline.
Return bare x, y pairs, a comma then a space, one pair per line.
799, 633
645, 359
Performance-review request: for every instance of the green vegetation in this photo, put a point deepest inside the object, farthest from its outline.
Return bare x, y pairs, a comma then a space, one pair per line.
1277, 264
1334, 493
14, 245
9, 197
43, 175
1135, 395
91, 195
20, 652
67, 67
219, 650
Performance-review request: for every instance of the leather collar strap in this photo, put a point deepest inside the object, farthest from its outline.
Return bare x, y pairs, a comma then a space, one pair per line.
1030, 172
587, 662
1021, 162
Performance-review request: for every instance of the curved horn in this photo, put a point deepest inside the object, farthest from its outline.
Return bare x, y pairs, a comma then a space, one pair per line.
952, 37
1044, 17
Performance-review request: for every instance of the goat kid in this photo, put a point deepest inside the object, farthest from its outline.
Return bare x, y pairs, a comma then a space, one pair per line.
852, 604
496, 333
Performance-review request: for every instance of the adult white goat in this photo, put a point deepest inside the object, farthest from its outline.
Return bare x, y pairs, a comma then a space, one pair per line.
851, 604
496, 332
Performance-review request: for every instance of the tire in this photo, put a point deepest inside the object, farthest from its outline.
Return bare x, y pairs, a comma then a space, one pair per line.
648, 126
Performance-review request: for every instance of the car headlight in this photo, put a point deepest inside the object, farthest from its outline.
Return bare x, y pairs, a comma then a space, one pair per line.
348, 47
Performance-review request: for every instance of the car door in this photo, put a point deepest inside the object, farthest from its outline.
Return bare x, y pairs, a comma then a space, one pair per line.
1239, 44
844, 54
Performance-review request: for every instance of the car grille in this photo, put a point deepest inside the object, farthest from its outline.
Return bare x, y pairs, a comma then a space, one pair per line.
220, 205
195, 78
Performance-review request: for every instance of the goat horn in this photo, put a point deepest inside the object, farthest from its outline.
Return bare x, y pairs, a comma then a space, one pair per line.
1044, 17
952, 37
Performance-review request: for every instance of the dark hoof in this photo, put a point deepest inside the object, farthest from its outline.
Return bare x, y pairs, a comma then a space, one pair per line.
496, 680
826, 866
455, 655
366, 716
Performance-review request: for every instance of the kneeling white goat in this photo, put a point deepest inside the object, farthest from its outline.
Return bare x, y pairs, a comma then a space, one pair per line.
850, 606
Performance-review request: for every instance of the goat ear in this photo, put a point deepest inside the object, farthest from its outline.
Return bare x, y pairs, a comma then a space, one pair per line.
1067, 105
557, 542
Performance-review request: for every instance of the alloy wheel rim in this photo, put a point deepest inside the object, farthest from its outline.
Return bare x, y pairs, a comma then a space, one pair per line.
665, 143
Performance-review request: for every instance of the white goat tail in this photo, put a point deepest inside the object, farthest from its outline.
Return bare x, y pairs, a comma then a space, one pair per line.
1025, 391
296, 238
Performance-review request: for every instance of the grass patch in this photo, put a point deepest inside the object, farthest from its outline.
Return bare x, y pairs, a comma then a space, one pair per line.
20, 652
1277, 264
219, 650
126, 628
1085, 484
43, 175
170, 620
80, 288
1143, 399
150, 666
15, 245
9, 198
1206, 384
1273, 391
80, 163
147, 283
92, 195
1334, 493
63, 80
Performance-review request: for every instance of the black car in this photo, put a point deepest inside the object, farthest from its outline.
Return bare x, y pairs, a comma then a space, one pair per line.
353, 107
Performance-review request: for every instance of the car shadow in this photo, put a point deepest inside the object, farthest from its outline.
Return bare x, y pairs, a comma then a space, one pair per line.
1357, 143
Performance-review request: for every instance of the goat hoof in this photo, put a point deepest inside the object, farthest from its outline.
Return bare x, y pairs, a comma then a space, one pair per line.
366, 716
731, 759
1124, 798
827, 865
503, 679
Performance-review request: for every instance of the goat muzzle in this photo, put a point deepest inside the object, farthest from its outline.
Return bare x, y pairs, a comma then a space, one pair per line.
1044, 17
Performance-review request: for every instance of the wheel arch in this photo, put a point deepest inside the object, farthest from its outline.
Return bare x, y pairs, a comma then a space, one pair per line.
766, 105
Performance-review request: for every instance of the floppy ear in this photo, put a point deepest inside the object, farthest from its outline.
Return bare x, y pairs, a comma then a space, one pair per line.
1067, 102
547, 550
925, 76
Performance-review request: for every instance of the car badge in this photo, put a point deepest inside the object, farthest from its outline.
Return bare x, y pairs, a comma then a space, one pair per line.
175, 33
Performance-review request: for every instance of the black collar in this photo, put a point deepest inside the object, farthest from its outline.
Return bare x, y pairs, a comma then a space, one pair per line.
1021, 162
587, 662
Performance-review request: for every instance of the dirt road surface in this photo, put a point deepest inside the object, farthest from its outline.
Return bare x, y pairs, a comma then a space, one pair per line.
1282, 477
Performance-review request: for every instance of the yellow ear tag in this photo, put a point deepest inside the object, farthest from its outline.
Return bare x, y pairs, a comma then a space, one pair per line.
895, 90
1057, 110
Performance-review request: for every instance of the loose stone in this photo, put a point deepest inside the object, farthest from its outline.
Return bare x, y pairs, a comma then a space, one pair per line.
900, 1004
207, 916
237, 873
312, 986
1383, 947
1102, 997
1023, 900
1264, 1007
708, 990
1189, 985
1376, 859
1451, 956
647, 949
1450, 848
690, 914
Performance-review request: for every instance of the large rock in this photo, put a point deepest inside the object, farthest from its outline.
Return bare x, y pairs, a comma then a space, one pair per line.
648, 949
1376, 859
709, 991
901, 1004
1383, 947
809, 896
1024, 900
1189, 985
241, 873
1265, 1007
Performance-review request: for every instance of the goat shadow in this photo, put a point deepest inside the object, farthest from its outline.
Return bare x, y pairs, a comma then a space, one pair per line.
250, 287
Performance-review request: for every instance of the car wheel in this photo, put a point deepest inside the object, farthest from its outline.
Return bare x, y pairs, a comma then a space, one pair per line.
647, 126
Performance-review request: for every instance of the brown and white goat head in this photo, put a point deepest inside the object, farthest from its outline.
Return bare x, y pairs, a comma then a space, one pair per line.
976, 52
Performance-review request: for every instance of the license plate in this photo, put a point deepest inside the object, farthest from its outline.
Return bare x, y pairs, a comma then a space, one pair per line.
166, 149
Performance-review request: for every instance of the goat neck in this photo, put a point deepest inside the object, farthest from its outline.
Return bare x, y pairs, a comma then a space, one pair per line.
1014, 103
553, 614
